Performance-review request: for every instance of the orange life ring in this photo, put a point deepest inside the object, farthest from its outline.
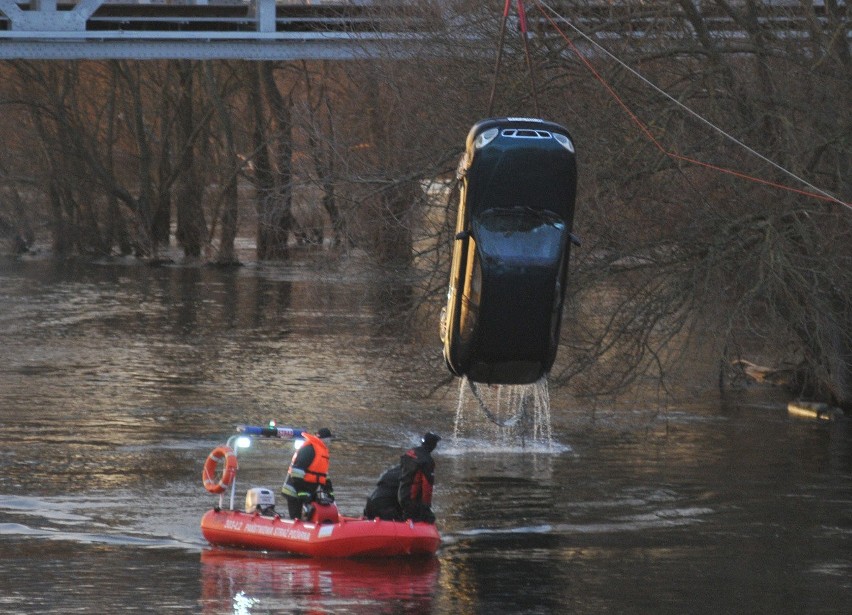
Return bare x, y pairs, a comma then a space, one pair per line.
219, 453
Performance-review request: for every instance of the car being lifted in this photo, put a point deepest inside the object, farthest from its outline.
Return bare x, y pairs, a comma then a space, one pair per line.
518, 179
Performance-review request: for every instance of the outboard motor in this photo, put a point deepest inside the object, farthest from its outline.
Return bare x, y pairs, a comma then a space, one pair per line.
260, 499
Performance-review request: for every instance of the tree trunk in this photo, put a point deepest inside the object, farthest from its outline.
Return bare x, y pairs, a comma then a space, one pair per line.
321, 147
191, 221
283, 144
392, 237
116, 232
230, 168
264, 185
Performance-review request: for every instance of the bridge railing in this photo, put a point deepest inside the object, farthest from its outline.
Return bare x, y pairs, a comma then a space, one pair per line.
214, 16
626, 20
266, 29
229, 29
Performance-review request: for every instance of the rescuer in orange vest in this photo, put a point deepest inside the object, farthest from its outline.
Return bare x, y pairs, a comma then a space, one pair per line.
307, 472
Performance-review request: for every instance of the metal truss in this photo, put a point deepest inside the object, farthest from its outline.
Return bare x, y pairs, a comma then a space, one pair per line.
196, 29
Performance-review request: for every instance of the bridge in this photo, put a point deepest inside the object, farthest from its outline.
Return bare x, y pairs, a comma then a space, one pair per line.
340, 29
209, 29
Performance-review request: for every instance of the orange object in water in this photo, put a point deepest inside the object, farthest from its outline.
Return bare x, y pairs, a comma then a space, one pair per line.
220, 453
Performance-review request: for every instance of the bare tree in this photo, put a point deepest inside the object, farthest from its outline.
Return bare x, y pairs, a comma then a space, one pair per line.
218, 91
191, 220
279, 105
684, 248
322, 146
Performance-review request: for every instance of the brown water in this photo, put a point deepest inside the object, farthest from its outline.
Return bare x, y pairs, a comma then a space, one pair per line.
116, 380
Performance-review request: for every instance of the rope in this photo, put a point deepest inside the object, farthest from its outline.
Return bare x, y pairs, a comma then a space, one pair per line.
509, 422
522, 18
814, 191
499, 57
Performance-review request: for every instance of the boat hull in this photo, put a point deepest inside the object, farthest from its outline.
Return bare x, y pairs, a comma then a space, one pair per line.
347, 538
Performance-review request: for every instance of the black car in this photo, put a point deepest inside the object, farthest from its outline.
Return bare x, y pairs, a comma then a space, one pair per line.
518, 179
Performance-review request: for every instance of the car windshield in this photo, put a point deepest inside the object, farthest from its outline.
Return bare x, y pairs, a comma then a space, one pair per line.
520, 235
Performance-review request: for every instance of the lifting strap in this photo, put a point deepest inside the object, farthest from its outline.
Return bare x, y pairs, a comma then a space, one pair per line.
522, 19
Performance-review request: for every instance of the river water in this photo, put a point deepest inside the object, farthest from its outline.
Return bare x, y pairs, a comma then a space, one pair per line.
117, 379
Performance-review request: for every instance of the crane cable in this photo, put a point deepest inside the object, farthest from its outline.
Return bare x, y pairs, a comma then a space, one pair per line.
492, 415
522, 19
814, 191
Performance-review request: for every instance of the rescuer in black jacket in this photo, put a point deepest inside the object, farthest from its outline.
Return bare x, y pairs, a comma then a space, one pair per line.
417, 479
383, 502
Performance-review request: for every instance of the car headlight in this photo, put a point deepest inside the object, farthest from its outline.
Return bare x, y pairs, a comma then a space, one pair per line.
486, 137
564, 141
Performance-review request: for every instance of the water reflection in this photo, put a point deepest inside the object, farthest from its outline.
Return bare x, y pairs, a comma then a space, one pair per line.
239, 582
116, 381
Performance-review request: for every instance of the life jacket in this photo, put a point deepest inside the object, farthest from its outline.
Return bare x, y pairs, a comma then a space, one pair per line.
418, 476
317, 472
421, 489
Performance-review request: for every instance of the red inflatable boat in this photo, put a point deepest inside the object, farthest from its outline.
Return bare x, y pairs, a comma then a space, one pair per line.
347, 537
325, 534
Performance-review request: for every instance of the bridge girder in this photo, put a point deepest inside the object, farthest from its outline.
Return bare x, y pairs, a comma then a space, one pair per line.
252, 30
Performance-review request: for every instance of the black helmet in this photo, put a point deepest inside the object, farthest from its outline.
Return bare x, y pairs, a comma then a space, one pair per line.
430, 440
324, 433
